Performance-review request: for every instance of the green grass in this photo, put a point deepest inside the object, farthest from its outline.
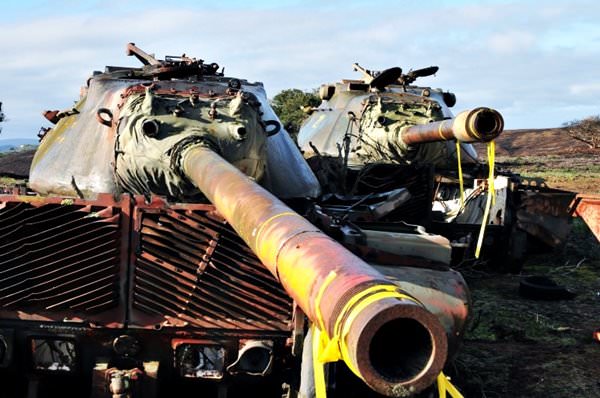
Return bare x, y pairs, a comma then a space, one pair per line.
566, 174
577, 173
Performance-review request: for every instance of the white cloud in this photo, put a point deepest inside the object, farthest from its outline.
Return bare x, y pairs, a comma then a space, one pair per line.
504, 55
511, 42
589, 89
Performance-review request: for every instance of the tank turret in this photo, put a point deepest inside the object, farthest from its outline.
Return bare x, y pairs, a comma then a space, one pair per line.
383, 118
121, 134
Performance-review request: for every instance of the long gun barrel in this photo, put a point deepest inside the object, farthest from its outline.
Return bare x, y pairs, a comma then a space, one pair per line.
388, 339
476, 125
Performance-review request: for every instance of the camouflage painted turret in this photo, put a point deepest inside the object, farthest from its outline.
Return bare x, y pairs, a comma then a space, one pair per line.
122, 133
382, 118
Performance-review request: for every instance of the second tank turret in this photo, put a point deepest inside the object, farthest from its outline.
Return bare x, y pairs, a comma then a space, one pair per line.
383, 118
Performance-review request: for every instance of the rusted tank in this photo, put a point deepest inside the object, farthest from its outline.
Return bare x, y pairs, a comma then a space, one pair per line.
171, 248
383, 133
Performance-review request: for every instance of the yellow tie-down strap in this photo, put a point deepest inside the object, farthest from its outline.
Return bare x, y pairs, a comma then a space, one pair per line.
460, 176
491, 198
444, 385
326, 349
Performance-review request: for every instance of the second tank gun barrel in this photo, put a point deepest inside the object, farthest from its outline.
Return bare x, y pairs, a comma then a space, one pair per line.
476, 125
385, 336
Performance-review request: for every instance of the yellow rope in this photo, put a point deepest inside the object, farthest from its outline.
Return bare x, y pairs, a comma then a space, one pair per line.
460, 176
318, 367
492, 161
491, 198
326, 349
444, 385
330, 349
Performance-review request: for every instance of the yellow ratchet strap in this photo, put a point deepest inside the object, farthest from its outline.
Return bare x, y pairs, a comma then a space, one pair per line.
491, 198
460, 176
444, 385
326, 349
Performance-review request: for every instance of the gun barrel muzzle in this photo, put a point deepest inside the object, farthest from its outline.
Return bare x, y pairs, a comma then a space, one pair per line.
476, 125
388, 339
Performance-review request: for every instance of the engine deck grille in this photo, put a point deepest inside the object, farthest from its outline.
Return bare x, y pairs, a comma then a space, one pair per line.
59, 256
181, 266
192, 267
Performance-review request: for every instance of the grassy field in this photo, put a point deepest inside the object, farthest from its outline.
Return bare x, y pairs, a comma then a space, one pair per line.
576, 172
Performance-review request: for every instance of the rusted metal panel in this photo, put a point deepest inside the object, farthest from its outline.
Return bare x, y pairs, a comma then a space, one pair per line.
63, 259
544, 214
191, 268
588, 208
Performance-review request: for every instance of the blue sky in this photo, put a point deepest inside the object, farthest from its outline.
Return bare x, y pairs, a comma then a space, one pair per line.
535, 61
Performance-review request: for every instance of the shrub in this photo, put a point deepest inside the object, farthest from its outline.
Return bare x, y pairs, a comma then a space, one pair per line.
585, 130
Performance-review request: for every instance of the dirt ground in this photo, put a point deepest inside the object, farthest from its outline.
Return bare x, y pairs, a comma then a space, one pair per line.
518, 347
15, 164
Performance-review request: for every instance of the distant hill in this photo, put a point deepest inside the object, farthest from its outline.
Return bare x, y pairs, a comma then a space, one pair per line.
536, 142
16, 144
16, 164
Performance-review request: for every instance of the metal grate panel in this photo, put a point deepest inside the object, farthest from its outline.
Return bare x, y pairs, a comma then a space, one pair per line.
58, 255
191, 266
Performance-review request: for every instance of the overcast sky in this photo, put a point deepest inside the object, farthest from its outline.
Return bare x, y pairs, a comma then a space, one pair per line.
537, 62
